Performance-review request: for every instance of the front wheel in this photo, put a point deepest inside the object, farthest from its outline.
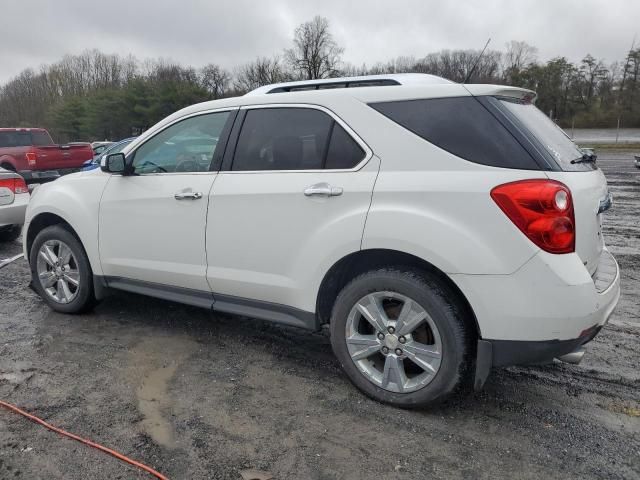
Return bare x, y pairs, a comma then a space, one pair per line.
60, 271
400, 336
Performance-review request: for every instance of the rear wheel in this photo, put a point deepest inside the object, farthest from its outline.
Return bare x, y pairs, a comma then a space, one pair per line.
400, 337
60, 271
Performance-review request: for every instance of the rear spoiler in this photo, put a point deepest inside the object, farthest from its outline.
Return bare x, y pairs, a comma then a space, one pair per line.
522, 94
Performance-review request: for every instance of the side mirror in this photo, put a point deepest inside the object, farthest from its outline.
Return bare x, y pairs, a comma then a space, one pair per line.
113, 163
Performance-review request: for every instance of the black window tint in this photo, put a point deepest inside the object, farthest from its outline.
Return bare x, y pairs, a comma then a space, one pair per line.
282, 139
463, 127
5, 140
343, 151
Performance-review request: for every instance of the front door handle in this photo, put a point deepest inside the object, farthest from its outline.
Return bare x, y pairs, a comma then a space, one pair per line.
323, 189
187, 196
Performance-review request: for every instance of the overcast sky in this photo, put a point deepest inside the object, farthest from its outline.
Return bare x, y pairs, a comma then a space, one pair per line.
196, 32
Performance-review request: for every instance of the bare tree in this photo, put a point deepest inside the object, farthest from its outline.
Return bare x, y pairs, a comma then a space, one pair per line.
516, 58
315, 53
215, 80
262, 71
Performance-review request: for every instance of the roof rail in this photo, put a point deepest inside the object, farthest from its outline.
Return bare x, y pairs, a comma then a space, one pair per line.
352, 82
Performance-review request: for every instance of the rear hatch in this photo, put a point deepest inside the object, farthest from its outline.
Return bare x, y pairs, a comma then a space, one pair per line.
573, 167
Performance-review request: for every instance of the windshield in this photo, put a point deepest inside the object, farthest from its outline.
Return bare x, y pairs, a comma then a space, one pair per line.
552, 137
120, 146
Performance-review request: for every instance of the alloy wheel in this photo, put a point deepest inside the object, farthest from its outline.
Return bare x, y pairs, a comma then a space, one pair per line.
394, 342
57, 270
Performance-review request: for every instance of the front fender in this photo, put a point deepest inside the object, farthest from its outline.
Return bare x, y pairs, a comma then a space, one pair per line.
76, 200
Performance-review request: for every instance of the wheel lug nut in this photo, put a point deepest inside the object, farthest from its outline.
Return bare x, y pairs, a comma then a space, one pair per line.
381, 336
385, 350
391, 329
398, 351
402, 339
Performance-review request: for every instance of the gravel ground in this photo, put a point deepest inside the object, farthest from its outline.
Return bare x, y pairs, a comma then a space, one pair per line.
197, 395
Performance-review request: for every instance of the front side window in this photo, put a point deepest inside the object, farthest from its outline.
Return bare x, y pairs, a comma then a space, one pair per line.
186, 146
294, 139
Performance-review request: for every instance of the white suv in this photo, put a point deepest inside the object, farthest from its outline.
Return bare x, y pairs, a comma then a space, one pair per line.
440, 229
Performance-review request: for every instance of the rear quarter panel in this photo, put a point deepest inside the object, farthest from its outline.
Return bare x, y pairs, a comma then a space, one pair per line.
435, 205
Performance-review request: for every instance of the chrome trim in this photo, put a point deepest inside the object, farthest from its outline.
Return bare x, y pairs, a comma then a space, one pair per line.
574, 357
605, 203
188, 195
323, 189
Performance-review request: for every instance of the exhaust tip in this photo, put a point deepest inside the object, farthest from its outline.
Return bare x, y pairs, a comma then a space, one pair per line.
574, 357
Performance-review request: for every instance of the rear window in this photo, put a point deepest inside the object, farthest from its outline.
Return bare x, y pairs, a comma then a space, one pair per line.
552, 138
461, 126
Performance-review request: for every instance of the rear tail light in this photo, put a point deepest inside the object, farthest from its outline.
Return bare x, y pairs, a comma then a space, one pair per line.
31, 158
16, 185
542, 210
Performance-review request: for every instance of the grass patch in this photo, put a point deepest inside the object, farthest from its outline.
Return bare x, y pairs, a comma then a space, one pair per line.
611, 146
627, 410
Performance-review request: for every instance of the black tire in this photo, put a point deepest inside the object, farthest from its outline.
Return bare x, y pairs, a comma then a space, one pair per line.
10, 233
446, 312
85, 298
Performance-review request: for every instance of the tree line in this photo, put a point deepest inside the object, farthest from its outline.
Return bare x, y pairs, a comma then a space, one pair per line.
101, 96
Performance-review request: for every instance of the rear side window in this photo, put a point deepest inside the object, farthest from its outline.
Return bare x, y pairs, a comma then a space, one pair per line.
461, 126
41, 139
293, 139
343, 151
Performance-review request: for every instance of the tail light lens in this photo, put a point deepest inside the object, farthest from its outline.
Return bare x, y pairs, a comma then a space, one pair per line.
542, 210
31, 158
16, 185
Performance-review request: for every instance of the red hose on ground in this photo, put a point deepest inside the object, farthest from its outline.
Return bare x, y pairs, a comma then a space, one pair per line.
97, 446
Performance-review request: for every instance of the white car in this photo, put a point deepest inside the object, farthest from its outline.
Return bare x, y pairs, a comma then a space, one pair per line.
440, 229
14, 198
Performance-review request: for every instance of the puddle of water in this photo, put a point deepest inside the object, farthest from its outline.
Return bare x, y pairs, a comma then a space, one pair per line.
152, 364
152, 395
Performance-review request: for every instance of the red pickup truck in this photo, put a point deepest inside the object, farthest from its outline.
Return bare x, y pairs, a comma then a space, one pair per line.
31, 153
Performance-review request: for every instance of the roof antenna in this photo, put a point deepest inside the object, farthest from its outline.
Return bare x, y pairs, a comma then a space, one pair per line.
477, 60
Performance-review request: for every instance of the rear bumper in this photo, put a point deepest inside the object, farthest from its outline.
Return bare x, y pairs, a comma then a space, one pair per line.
503, 353
513, 352
13, 214
548, 308
550, 298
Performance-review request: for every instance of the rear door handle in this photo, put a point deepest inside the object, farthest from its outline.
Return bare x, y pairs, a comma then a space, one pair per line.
323, 189
188, 195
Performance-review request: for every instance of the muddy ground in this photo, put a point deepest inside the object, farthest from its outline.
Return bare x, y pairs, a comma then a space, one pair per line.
197, 395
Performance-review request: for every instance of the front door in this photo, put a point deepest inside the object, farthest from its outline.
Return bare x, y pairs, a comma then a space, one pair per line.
152, 223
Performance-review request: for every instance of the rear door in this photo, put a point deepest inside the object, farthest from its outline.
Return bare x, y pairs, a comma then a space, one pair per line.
291, 199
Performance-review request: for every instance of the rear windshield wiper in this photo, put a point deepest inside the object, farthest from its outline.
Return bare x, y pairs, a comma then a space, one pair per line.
586, 158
